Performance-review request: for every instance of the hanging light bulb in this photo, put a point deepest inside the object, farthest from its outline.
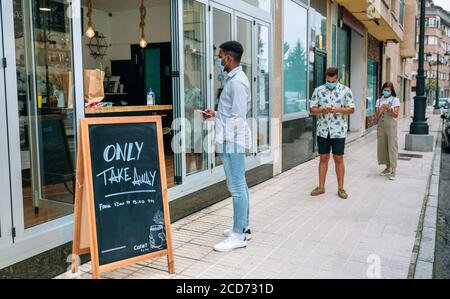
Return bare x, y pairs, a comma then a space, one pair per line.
90, 32
143, 11
143, 42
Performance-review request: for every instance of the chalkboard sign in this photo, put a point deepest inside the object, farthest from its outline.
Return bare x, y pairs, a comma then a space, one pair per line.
121, 197
56, 163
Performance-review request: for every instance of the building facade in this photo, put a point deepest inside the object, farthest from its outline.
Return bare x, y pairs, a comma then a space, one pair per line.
437, 44
382, 29
288, 46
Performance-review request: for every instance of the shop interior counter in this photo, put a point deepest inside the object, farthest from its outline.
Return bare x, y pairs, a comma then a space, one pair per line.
128, 111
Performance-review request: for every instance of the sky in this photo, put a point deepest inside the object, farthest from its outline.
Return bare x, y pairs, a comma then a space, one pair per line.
443, 3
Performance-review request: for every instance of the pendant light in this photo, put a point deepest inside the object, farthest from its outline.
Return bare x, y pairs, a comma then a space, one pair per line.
90, 32
143, 11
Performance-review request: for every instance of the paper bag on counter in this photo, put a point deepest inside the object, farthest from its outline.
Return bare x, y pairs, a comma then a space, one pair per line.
67, 88
93, 85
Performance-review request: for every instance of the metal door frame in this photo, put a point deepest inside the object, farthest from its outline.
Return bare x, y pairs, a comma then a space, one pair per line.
6, 223
34, 240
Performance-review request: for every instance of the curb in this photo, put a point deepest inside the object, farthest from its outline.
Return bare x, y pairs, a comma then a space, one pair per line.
422, 260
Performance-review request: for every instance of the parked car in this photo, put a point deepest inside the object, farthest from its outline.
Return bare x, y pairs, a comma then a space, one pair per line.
443, 102
446, 129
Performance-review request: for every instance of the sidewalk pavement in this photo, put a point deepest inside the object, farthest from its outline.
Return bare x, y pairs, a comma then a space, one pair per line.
370, 235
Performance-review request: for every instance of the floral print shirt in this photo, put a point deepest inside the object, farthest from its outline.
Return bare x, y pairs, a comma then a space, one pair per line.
333, 124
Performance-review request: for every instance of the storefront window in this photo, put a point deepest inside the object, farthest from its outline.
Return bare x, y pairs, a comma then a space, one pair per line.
263, 4
195, 84
333, 44
343, 54
262, 87
372, 83
295, 59
318, 24
43, 41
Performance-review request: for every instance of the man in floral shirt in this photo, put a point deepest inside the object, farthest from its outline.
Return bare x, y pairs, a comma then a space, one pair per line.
331, 103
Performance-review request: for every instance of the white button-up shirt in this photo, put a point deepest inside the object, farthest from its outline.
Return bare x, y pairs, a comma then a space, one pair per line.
231, 116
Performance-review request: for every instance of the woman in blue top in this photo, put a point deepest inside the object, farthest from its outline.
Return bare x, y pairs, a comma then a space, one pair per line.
388, 110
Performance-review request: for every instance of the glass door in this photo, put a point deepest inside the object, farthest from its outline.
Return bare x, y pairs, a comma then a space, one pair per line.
320, 68
44, 108
176, 10
263, 106
203, 84
244, 35
196, 69
222, 31
372, 89
254, 35
5, 195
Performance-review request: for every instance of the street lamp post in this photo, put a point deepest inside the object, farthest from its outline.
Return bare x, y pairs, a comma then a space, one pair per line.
419, 125
419, 138
446, 59
438, 62
430, 72
436, 105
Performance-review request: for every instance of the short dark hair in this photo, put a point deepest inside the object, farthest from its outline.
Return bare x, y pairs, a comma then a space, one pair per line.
332, 72
234, 49
391, 86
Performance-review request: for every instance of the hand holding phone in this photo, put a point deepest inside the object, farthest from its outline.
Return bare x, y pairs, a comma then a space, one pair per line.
332, 109
208, 114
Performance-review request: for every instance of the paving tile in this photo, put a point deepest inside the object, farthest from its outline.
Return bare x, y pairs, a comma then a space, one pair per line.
296, 236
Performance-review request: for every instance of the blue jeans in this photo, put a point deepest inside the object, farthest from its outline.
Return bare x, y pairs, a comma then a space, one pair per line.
234, 164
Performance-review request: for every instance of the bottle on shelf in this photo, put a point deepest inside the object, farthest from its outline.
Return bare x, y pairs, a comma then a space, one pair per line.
151, 97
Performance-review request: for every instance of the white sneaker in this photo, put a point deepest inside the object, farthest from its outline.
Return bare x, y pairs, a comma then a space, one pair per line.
248, 234
230, 244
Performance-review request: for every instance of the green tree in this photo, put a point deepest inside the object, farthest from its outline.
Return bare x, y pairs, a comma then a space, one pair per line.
295, 68
295, 74
286, 48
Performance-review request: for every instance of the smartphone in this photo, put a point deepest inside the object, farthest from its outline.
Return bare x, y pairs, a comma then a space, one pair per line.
201, 111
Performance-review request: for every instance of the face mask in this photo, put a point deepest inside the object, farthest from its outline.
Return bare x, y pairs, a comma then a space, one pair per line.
221, 69
331, 86
386, 94
219, 64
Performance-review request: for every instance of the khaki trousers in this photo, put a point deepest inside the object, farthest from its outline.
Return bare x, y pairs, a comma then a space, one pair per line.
387, 140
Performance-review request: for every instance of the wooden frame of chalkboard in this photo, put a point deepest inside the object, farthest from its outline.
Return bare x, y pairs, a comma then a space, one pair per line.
89, 222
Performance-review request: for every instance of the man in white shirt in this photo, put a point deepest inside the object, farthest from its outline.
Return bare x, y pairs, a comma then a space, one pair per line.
233, 137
